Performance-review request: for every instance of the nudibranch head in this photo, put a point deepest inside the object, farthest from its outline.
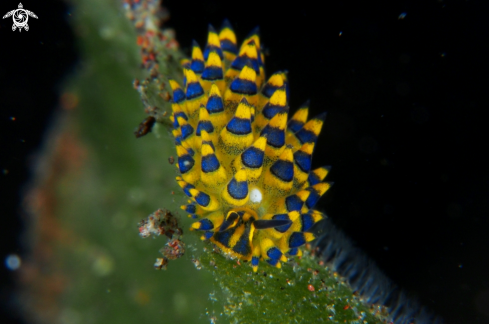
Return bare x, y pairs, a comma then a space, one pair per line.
244, 165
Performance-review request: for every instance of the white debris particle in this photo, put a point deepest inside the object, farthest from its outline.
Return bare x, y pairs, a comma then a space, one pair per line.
256, 196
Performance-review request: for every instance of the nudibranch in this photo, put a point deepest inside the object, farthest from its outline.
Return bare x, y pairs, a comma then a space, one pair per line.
244, 165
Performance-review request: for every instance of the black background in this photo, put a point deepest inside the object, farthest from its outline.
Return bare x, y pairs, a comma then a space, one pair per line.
406, 132
33, 65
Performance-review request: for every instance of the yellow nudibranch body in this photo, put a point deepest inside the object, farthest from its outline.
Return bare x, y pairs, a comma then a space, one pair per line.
245, 167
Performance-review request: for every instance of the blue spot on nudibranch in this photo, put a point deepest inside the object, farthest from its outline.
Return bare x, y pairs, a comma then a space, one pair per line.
273, 262
294, 125
212, 73
204, 125
313, 179
243, 245
243, 86
240, 61
270, 111
254, 261
283, 228
293, 251
187, 188
191, 209
197, 66
296, 239
203, 199
284, 170
306, 136
190, 151
179, 114
206, 225
178, 96
303, 161
194, 90
228, 46
224, 237
228, 221
238, 190
313, 198
187, 130
209, 49
274, 253
252, 157
239, 126
210, 163
307, 222
214, 105
276, 136
293, 203
268, 90
185, 163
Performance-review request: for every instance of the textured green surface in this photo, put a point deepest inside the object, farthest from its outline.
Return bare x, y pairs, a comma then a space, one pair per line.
301, 292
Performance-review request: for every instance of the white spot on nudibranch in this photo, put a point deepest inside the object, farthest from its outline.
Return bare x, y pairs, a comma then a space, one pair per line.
256, 196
